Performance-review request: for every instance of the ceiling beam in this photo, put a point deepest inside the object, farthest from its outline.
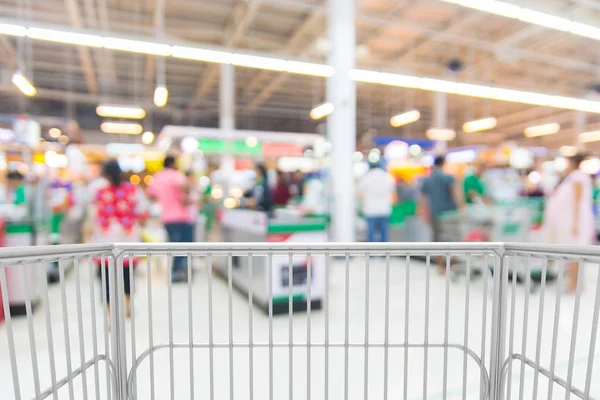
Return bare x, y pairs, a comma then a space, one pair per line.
313, 25
85, 56
107, 56
159, 26
9, 52
242, 17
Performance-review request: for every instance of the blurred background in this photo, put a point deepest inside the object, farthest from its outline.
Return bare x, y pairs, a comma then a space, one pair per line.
310, 90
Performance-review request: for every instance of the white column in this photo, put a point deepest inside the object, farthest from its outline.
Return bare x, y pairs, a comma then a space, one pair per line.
440, 119
227, 112
580, 122
341, 92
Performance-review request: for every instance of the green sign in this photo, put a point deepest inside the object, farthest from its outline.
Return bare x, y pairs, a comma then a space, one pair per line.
237, 147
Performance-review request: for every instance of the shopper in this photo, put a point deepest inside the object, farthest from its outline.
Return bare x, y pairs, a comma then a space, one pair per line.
116, 214
297, 184
170, 189
473, 186
405, 191
569, 217
440, 195
377, 190
281, 193
17, 189
194, 200
260, 197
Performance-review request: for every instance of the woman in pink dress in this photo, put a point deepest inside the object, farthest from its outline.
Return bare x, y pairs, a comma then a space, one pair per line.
569, 217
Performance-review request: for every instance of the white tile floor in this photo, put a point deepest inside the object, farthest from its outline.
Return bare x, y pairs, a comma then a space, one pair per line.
357, 374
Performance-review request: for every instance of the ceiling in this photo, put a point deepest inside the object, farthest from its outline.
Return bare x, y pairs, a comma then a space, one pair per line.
411, 36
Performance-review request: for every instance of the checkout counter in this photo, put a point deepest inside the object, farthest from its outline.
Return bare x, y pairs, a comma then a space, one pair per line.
246, 226
18, 231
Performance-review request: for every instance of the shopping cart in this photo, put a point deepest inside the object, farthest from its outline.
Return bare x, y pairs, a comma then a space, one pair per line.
388, 328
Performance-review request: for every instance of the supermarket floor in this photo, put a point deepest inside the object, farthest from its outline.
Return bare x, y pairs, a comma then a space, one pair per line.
364, 379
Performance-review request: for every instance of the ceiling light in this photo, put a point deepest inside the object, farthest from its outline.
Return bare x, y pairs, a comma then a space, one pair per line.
568, 151
587, 137
53, 35
362, 75
137, 46
357, 156
161, 96
251, 141
531, 16
126, 128
472, 90
405, 118
321, 111
109, 111
13, 30
189, 144
439, 134
541, 130
479, 125
492, 6
54, 133
192, 53
216, 193
414, 150
148, 137
268, 63
546, 20
19, 80
585, 30
591, 166
312, 69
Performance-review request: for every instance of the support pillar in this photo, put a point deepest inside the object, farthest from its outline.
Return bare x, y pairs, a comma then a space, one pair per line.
227, 113
580, 122
440, 119
341, 92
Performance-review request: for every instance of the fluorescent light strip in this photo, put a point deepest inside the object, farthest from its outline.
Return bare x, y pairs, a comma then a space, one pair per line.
304, 68
271, 64
359, 75
321, 111
405, 118
110, 111
137, 46
541, 130
440, 134
192, 53
531, 16
587, 137
13, 30
479, 125
23, 84
125, 128
472, 90
161, 96
52, 35
569, 151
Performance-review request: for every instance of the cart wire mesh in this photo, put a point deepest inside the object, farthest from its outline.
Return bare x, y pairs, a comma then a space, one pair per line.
318, 321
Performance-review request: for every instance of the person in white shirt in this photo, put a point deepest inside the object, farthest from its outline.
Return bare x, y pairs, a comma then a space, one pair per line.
376, 191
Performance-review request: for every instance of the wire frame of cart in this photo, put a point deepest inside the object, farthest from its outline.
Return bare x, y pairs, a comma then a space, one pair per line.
390, 326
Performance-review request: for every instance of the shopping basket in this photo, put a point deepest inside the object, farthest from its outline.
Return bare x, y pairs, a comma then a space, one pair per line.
389, 326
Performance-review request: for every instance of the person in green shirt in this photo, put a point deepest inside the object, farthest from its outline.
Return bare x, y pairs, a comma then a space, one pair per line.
17, 188
473, 186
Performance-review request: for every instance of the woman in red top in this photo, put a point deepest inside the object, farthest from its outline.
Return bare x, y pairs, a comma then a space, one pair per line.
281, 194
116, 214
